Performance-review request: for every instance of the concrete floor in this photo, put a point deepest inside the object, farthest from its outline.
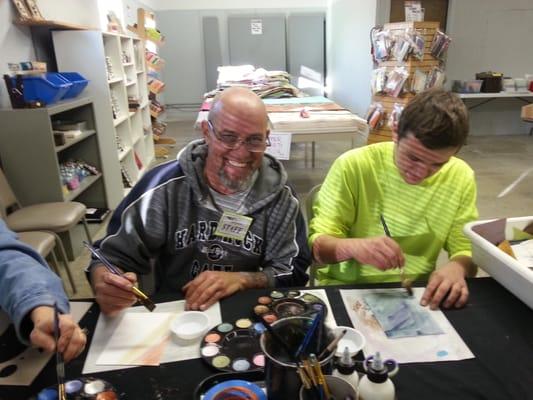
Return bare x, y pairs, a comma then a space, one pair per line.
498, 161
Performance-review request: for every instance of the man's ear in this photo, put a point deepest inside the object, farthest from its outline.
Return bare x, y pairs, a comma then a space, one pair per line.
205, 129
395, 134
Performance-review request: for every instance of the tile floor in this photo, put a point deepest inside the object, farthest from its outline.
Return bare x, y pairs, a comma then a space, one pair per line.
497, 160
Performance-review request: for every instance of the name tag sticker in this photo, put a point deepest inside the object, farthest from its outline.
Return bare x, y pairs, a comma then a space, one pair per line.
233, 225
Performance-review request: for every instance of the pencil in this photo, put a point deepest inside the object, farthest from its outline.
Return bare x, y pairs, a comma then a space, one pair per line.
144, 299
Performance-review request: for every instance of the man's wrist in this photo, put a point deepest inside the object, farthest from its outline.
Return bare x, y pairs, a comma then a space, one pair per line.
254, 280
466, 263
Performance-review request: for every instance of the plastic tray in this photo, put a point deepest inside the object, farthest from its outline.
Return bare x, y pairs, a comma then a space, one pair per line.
505, 269
47, 88
78, 83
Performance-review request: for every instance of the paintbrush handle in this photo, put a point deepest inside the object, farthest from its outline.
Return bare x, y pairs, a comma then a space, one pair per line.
384, 224
102, 259
332, 345
145, 300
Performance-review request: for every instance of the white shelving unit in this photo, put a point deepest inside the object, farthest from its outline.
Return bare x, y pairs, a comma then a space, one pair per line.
114, 64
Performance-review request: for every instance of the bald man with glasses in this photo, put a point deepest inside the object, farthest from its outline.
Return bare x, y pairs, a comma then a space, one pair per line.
219, 219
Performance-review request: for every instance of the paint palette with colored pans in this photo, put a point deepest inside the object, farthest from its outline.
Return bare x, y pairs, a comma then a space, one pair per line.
82, 388
234, 347
288, 304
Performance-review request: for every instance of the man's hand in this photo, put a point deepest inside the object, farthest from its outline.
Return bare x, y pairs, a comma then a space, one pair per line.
71, 341
447, 284
210, 286
382, 252
113, 292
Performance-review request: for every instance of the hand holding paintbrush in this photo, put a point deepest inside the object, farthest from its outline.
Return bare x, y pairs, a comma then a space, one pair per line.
143, 298
406, 283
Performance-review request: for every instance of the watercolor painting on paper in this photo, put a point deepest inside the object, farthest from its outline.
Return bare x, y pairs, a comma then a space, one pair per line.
400, 315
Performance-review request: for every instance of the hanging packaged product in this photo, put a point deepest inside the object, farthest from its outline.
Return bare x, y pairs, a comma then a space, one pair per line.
378, 80
395, 81
418, 82
440, 44
375, 115
401, 47
394, 116
381, 44
417, 43
435, 78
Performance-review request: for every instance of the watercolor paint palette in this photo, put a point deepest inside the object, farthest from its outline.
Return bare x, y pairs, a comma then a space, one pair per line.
292, 303
82, 389
234, 347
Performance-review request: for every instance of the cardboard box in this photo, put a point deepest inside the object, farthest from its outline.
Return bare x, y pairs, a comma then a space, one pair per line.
527, 112
514, 276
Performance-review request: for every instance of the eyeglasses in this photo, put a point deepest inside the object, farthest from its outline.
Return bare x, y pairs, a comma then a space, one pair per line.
254, 144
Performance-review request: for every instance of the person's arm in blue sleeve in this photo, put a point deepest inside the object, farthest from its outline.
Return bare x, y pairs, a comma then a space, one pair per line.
28, 292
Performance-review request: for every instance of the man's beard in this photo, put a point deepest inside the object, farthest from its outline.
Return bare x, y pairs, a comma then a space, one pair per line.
237, 185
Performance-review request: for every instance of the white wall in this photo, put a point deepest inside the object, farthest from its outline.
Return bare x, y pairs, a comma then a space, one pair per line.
234, 4
184, 73
348, 52
81, 12
16, 45
491, 35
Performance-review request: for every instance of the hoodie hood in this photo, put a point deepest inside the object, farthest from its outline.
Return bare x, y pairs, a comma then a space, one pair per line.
271, 179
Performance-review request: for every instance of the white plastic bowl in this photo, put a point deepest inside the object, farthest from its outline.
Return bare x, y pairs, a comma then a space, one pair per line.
353, 339
190, 325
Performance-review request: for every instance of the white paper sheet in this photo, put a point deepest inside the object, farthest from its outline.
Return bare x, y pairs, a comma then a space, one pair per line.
31, 361
175, 350
445, 347
280, 145
524, 253
139, 339
321, 294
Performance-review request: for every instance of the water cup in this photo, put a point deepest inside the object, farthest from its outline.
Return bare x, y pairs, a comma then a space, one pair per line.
281, 379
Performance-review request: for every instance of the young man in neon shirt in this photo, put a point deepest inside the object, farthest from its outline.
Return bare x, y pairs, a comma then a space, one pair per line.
425, 194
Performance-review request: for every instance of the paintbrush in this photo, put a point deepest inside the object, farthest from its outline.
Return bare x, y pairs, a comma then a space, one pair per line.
308, 335
144, 299
60, 363
332, 344
406, 283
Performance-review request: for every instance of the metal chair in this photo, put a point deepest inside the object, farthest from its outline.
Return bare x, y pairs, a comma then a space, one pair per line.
43, 243
308, 203
53, 217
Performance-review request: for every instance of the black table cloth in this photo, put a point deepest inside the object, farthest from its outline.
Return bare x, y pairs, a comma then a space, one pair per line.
495, 325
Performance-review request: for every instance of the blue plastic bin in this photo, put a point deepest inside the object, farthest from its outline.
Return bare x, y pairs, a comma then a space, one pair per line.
78, 83
47, 88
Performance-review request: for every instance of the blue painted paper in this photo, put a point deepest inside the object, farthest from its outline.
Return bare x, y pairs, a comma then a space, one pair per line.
401, 315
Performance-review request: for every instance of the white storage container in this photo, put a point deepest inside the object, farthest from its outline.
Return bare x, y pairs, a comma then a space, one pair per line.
515, 277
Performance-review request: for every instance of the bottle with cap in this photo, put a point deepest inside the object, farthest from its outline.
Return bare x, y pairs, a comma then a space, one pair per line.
345, 369
376, 385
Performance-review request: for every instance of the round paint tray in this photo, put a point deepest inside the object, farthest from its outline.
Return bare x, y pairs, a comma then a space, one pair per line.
234, 347
288, 304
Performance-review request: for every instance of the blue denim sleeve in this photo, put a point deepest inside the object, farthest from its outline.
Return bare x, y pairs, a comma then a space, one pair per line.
26, 282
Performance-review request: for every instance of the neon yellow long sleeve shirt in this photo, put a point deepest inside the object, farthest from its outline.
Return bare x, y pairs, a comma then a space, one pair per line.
425, 218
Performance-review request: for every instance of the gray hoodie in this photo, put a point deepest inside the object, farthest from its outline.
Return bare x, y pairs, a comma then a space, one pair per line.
169, 217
